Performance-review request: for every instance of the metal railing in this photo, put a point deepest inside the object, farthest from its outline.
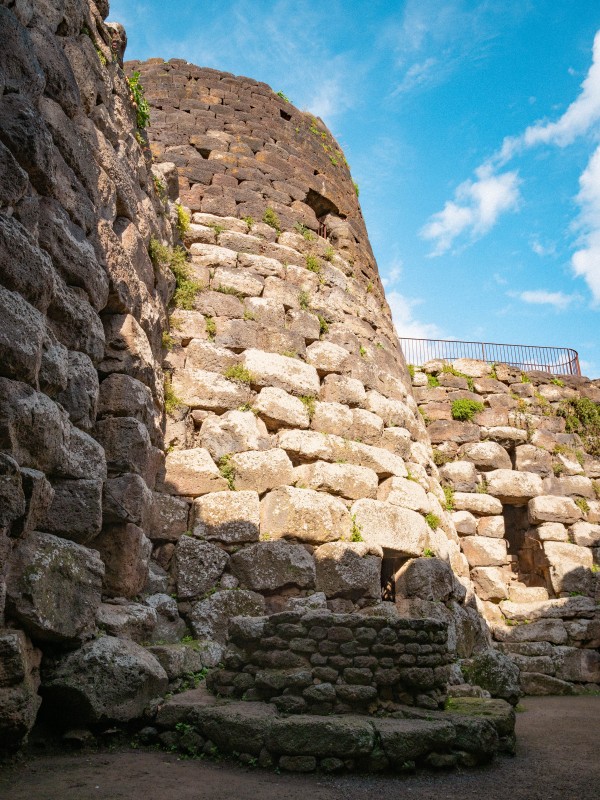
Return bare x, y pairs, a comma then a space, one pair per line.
557, 360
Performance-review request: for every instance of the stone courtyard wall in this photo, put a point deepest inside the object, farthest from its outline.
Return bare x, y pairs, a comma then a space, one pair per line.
522, 478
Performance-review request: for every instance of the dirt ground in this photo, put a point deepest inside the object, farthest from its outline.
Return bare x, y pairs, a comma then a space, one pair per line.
558, 757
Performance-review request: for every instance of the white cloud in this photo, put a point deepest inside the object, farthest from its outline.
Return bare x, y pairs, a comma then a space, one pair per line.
558, 300
583, 112
417, 75
406, 325
475, 208
542, 250
391, 274
586, 260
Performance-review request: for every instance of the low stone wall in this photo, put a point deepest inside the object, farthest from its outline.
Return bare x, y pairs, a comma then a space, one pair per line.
318, 662
521, 479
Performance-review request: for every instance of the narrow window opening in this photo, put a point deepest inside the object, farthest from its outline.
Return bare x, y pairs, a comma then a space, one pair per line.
389, 567
285, 115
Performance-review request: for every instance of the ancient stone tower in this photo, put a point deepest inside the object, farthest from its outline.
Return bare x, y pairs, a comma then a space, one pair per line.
205, 412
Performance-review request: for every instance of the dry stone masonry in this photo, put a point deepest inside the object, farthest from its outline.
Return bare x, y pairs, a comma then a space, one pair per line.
521, 475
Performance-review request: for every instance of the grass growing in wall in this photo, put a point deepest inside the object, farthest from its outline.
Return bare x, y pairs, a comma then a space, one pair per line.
304, 231
323, 325
312, 264
239, 374
183, 219
139, 102
172, 401
465, 410
582, 504
309, 404
227, 470
449, 498
433, 521
356, 533
270, 218
582, 416
186, 288
304, 300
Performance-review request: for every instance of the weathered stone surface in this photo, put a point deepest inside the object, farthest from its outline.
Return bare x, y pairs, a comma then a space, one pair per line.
570, 567
233, 432
198, 567
192, 473
585, 534
125, 551
76, 510
167, 517
553, 509
347, 480
22, 333
305, 445
349, 569
19, 681
534, 683
544, 630
197, 388
303, 514
465, 522
127, 349
229, 517
80, 397
395, 529
406, 740
426, 578
460, 475
127, 445
532, 459
490, 583
477, 503
495, 672
482, 551
451, 431
486, 455
575, 664
261, 471
493, 527
279, 409
282, 372
326, 357
130, 621
308, 735
127, 499
512, 487
54, 587
107, 679
269, 566
405, 493
210, 618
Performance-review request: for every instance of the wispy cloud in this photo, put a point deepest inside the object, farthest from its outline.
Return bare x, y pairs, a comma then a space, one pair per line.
558, 300
475, 208
406, 324
586, 260
392, 273
542, 250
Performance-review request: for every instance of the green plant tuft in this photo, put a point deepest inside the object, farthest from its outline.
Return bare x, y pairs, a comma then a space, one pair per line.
227, 470
582, 504
183, 219
323, 325
356, 533
433, 521
428, 553
211, 328
283, 96
582, 416
329, 253
411, 370
312, 264
356, 189
238, 373
432, 381
449, 498
139, 102
167, 341
270, 218
304, 300
309, 404
465, 410
304, 231
172, 401
249, 222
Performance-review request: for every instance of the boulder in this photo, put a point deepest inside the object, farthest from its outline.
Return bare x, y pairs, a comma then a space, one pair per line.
282, 372
548, 508
349, 569
512, 487
192, 473
198, 567
54, 588
261, 470
494, 527
332, 418
482, 551
395, 529
347, 480
76, 510
19, 682
303, 514
529, 458
229, 517
311, 735
107, 679
279, 409
127, 499
477, 503
495, 672
127, 620
460, 475
426, 578
209, 618
486, 456
233, 432
570, 567
125, 551
167, 517
270, 566
464, 522
197, 388
405, 740
490, 583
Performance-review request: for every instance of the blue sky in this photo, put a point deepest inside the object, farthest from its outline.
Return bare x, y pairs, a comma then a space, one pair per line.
472, 129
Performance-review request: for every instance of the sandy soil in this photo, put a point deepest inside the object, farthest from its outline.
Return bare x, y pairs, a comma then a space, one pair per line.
558, 757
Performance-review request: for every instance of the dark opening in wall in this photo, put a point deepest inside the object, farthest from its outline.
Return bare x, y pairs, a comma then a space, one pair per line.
527, 554
389, 567
285, 115
320, 205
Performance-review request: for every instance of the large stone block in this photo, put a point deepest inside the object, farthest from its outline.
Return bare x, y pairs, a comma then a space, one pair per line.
228, 517
346, 480
80, 397
452, 431
108, 679
326, 357
477, 503
570, 567
349, 569
198, 567
24, 267
271, 566
548, 508
197, 388
22, 334
19, 681
124, 396
125, 551
127, 620
279, 409
303, 514
126, 499
128, 350
234, 432
127, 445
482, 551
192, 473
529, 458
490, 583
460, 475
397, 530
54, 588
76, 510
486, 455
209, 618
262, 470
512, 487
406, 493
426, 578
282, 372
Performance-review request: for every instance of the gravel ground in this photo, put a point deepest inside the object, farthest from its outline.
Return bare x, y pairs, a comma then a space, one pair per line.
557, 758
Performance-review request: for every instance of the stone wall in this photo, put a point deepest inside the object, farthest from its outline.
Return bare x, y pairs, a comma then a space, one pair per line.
522, 481
82, 310
317, 662
297, 461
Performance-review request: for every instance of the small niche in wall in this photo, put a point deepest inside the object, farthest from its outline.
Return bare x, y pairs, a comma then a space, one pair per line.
389, 567
287, 117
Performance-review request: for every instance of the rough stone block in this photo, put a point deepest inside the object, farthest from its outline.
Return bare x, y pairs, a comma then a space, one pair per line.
198, 567
125, 551
271, 566
349, 569
396, 529
570, 567
199, 389
512, 487
405, 493
477, 503
261, 470
426, 578
192, 473
482, 551
282, 372
548, 508
228, 517
76, 510
347, 480
233, 432
279, 409
486, 455
303, 514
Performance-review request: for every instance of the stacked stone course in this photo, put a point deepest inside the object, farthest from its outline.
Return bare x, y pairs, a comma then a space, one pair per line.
526, 501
